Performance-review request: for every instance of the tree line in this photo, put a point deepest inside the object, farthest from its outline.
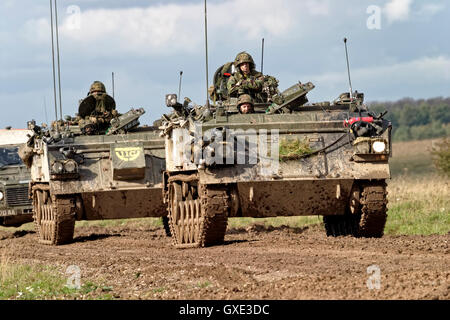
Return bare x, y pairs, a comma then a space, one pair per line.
416, 119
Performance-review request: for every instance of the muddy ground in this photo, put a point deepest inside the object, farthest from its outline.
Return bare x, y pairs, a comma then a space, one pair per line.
255, 263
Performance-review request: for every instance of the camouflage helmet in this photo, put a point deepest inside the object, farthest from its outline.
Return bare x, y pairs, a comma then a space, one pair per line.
242, 58
245, 98
97, 86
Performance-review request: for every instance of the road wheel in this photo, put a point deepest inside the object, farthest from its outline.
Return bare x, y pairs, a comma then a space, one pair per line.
198, 215
366, 216
54, 218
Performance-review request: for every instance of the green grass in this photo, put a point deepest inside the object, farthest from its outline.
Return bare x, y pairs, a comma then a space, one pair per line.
416, 218
24, 227
159, 290
418, 206
294, 149
203, 284
293, 222
136, 222
38, 282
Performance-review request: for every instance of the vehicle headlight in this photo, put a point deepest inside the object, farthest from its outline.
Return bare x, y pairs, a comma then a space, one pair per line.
70, 166
57, 167
379, 146
2, 196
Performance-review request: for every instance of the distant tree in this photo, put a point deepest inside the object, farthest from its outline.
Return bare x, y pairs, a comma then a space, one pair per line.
402, 134
441, 156
416, 119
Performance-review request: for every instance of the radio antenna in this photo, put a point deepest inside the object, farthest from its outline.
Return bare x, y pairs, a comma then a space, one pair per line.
113, 84
53, 60
262, 57
206, 49
45, 111
59, 65
349, 79
179, 85
348, 70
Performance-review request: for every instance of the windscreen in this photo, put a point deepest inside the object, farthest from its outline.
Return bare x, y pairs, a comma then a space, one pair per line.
9, 156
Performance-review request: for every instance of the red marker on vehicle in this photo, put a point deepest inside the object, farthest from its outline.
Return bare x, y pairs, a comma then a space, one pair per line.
353, 120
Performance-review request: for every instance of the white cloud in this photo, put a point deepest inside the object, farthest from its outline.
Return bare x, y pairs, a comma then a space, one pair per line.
411, 78
398, 10
37, 31
431, 9
177, 27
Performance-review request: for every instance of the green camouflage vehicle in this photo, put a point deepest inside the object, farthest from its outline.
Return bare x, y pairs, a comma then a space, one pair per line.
15, 205
79, 173
287, 158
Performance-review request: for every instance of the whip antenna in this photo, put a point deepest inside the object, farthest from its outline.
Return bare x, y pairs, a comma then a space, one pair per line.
113, 84
53, 61
262, 57
179, 85
45, 111
348, 70
206, 49
59, 65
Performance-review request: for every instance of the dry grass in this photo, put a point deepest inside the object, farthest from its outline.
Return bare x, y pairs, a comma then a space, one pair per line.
404, 149
5, 269
413, 158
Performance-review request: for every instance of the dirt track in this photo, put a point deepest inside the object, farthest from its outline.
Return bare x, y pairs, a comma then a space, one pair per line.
278, 263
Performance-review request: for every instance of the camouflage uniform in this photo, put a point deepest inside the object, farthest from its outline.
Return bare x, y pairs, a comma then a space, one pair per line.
240, 83
97, 110
103, 102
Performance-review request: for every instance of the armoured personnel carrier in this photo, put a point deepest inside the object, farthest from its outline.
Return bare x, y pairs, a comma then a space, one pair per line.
15, 205
81, 172
290, 158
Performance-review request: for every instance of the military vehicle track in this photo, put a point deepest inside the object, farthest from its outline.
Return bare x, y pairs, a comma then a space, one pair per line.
165, 222
198, 214
369, 216
374, 207
54, 217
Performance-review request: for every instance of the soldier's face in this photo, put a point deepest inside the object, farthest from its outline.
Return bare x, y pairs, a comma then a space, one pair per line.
245, 67
246, 108
97, 94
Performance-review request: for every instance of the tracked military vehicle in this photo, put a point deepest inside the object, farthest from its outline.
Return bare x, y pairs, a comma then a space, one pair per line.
290, 158
80, 173
15, 205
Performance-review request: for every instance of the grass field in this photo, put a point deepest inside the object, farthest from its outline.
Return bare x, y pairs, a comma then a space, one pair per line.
412, 159
31, 282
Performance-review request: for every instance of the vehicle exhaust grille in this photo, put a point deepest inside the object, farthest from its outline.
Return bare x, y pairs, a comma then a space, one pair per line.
18, 197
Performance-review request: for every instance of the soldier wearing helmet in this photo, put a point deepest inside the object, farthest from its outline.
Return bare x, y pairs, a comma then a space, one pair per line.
97, 109
246, 79
245, 104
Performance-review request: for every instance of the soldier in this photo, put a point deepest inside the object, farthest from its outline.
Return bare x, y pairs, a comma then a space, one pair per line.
246, 79
97, 110
245, 104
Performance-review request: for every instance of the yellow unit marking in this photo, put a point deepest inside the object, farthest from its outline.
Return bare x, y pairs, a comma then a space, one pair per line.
128, 154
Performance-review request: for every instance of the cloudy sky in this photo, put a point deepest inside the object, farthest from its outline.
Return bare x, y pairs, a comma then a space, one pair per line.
397, 48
